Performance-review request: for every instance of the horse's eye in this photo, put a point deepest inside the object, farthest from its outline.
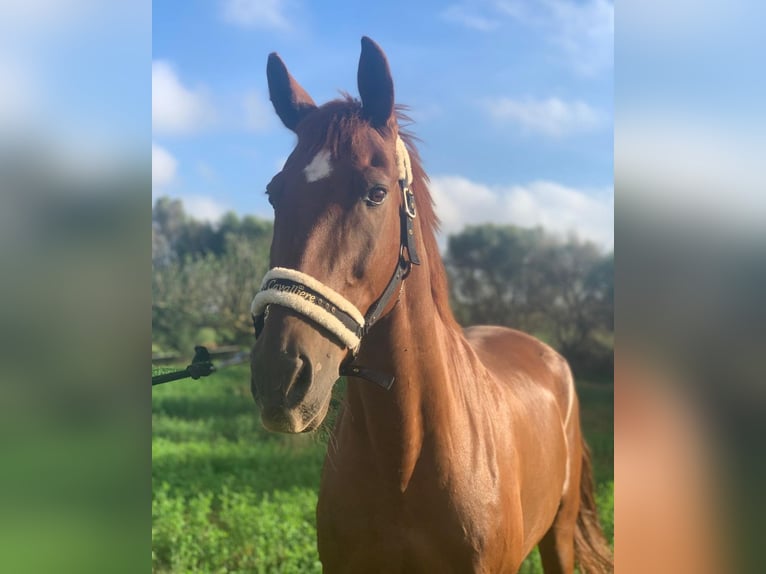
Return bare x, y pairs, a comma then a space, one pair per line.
376, 195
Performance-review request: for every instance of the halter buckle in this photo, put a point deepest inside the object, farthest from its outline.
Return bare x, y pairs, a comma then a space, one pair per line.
409, 199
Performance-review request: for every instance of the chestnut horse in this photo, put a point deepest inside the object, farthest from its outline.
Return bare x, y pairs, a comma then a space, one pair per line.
474, 454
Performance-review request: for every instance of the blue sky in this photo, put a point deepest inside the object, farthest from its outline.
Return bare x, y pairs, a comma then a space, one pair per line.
513, 101
74, 84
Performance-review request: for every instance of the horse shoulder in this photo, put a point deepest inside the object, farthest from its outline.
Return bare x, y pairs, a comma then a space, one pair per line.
523, 362
540, 390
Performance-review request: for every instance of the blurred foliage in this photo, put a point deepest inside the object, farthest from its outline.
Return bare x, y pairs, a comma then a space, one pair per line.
560, 290
204, 276
74, 401
228, 496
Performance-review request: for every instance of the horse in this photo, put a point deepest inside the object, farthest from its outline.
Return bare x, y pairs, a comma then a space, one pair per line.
454, 450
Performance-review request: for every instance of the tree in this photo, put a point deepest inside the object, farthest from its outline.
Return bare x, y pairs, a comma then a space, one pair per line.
169, 219
205, 276
578, 305
559, 290
496, 274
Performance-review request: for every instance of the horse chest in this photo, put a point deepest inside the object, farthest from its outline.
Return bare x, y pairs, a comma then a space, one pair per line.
454, 522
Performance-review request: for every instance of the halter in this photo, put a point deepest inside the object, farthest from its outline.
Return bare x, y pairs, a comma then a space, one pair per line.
326, 307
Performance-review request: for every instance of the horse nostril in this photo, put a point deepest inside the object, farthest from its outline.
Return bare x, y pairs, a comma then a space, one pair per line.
301, 383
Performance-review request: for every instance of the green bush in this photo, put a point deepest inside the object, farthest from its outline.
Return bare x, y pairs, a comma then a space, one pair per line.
206, 336
234, 531
605, 503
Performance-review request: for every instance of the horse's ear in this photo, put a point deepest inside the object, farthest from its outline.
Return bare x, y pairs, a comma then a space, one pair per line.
376, 87
291, 101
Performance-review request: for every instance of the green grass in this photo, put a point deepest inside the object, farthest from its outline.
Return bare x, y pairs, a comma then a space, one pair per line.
230, 497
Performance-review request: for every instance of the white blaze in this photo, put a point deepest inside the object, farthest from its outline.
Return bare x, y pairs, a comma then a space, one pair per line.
319, 167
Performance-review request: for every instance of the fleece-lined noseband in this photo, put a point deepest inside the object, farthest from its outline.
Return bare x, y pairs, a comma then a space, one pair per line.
329, 309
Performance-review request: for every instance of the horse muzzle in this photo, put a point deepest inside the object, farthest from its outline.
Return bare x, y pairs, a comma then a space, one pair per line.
293, 370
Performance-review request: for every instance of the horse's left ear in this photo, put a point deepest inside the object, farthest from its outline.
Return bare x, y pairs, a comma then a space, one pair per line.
376, 87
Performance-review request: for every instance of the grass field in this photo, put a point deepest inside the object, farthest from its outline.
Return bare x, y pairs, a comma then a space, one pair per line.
230, 497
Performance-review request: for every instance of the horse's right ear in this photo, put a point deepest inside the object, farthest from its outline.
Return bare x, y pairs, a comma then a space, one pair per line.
376, 87
290, 100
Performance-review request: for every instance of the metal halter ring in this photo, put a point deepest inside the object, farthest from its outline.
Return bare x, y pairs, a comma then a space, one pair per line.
409, 199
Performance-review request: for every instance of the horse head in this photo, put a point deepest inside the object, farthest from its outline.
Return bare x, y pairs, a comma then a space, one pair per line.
342, 209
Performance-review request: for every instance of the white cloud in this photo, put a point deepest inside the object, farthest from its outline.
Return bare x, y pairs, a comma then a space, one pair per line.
264, 14
552, 116
164, 167
425, 111
465, 16
53, 17
557, 208
691, 169
20, 93
685, 20
203, 208
585, 32
582, 31
92, 154
177, 109
164, 173
258, 111
47, 14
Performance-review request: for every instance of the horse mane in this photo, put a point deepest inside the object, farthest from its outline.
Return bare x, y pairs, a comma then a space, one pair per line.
335, 126
429, 222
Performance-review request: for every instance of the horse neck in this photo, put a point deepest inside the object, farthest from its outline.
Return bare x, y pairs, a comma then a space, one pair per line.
414, 344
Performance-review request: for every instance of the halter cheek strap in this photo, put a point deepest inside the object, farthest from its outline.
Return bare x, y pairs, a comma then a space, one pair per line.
326, 307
